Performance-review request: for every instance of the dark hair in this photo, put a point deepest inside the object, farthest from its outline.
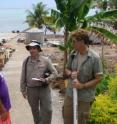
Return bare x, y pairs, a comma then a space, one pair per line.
80, 35
37, 47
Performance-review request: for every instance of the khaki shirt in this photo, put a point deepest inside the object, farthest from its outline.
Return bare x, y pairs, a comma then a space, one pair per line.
36, 69
88, 69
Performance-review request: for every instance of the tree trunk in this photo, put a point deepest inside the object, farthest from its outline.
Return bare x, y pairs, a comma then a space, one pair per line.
65, 52
103, 61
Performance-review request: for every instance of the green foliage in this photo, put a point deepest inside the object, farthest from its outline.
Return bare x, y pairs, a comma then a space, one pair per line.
62, 47
104, 108
113, 88
103, 85
107, 34
104, 111
68, 46
102, 15
72, 15
70, 12
35, 18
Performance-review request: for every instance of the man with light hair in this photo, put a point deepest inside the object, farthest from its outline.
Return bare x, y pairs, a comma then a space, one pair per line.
84, 64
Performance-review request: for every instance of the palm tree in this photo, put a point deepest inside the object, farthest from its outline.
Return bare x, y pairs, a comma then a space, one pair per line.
35, 18
72, 14
67, 16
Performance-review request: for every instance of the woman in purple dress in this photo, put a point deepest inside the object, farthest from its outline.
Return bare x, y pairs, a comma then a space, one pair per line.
5, 104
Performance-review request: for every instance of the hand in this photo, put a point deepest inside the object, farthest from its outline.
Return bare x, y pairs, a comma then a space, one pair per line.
74, 74
77, 84
4, 116
67, 72
43, 80
24, 95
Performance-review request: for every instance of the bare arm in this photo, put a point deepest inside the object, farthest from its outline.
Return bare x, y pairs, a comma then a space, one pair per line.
3, 112
23, 83
2, 109
94, 82
53, 70
89, 84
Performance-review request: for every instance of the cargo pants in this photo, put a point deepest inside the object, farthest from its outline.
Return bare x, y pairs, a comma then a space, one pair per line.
39, 99
83, 111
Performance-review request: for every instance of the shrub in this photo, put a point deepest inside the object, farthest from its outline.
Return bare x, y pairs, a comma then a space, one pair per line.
103, 85
113, 88
104, 111
104, 108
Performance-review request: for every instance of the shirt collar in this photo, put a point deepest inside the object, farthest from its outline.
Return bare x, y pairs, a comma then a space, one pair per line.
75, 53
37, 59
89, 53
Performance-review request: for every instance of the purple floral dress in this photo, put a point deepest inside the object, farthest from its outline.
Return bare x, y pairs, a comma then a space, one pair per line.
4, 94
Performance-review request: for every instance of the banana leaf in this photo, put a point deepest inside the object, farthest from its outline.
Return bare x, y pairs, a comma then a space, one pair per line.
55, 14
106, 33
61, 4
103, 15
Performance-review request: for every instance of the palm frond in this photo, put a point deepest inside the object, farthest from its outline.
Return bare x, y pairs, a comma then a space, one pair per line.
84, 9
106, 33
103, 15
55, 14
36, 16
59, 23
75, 5
61, 4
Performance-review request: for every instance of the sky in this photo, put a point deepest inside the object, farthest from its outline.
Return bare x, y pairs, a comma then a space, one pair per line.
25, 4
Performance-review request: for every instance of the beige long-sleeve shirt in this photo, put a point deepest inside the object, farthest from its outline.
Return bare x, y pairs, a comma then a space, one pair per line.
36, 69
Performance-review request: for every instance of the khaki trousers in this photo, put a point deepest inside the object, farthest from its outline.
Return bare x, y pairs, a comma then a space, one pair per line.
39, 99
83, 111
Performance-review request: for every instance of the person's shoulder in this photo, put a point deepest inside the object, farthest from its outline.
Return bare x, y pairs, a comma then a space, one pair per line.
1, 75
94, 54
2, 78
45, 58
26, 59
72, 52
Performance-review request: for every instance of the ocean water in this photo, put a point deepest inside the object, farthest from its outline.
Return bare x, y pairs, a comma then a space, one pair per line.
12, 20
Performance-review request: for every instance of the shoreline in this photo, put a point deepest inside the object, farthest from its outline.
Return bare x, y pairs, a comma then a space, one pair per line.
8, 36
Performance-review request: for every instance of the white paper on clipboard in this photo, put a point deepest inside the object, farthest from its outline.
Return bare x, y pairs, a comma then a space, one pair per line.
36, 79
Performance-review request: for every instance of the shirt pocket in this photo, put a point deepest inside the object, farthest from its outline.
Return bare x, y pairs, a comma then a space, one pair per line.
87, 69
41, 68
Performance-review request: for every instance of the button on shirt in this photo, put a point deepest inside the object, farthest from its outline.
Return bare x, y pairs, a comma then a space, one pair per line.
87, 71
36, 69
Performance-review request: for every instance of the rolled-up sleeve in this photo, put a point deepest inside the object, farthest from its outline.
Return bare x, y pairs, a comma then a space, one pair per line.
98, 66
53, 71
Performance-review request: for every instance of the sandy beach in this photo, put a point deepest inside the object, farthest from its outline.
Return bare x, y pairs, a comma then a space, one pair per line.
7, 36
